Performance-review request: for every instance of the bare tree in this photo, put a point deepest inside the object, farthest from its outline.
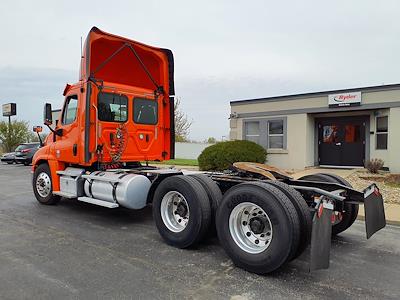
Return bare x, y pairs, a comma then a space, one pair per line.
182, 124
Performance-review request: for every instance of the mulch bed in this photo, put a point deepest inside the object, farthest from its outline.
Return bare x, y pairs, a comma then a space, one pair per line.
389, 184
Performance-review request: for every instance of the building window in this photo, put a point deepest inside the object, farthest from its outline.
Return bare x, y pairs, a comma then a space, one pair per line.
269, 133
252, 130
275, 134
381, 132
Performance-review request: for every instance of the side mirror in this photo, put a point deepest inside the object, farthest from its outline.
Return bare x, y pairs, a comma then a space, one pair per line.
47, 115
37, 129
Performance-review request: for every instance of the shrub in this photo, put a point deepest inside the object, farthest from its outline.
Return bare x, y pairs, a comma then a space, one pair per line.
222, 155
374, 165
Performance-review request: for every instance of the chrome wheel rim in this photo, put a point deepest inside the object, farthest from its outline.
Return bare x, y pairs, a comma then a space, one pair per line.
250, 227
175, 211
43, 185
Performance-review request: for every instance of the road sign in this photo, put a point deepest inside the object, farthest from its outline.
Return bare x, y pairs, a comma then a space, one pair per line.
9, 109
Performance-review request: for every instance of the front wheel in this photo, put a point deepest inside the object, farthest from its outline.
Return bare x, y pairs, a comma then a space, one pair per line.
42, 185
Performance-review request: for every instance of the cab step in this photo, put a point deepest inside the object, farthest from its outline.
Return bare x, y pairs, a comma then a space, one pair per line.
98, 202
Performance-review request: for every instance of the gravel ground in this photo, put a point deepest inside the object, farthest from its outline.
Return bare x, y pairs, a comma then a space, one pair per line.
361, 179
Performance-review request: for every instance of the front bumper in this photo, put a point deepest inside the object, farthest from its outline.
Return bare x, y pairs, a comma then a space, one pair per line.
7, 159
22, 160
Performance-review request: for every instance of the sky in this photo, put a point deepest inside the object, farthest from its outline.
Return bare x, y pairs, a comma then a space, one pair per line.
223, 50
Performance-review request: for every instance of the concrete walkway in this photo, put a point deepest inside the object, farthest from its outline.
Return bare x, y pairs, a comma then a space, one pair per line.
392, 214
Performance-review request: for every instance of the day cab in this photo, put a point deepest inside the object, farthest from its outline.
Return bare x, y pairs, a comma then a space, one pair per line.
120, 111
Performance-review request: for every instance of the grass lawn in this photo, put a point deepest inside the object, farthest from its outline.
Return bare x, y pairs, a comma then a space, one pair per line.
177, 162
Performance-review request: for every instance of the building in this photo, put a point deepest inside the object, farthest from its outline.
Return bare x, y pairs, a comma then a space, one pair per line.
340, 128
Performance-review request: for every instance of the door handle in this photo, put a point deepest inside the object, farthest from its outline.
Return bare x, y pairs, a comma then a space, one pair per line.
75, 149
338, 144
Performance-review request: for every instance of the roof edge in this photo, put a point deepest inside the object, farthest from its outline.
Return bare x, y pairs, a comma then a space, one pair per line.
317, 94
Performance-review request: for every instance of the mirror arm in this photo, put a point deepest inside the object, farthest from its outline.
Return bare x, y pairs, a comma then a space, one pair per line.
58, 132
40, 139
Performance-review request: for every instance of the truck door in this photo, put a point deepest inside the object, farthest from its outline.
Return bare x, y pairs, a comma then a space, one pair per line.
66, 146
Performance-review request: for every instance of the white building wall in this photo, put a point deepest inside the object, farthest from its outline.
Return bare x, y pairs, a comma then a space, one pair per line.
189, 150
394, 140
378, 153
310, 142
294, 156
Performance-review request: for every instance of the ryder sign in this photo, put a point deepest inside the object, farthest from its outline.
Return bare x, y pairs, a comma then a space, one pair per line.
344, 99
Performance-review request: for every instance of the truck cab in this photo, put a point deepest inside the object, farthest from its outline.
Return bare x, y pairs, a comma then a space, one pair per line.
120, 111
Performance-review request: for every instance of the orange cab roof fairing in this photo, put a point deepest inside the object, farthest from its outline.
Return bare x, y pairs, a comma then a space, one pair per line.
115, 59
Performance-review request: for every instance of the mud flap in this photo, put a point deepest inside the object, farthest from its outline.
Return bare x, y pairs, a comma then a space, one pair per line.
321, 236
374, 210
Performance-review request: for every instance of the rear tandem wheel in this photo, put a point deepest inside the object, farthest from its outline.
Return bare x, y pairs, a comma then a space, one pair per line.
181, 211
303, 211
349, 215
258, 227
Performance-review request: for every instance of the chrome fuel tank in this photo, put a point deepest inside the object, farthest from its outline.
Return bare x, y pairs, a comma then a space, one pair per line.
128, 190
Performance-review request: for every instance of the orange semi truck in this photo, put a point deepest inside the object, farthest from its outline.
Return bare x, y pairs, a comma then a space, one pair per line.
121, 112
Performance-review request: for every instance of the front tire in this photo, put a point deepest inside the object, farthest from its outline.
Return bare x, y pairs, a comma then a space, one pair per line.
181, 211
43, 186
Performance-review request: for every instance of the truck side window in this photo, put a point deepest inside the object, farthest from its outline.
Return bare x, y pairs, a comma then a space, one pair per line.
70, 109
112, 107
145, 111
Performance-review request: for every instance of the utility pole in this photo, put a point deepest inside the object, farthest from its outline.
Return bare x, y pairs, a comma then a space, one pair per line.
9, 109
9, 126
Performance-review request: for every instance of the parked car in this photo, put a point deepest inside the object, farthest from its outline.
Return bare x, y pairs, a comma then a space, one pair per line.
24, 153
8, 158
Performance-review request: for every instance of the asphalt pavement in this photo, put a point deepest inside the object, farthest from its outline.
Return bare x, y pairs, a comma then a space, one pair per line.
80, 251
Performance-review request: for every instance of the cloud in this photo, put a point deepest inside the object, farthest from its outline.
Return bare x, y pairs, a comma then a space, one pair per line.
30, 88
224, 50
